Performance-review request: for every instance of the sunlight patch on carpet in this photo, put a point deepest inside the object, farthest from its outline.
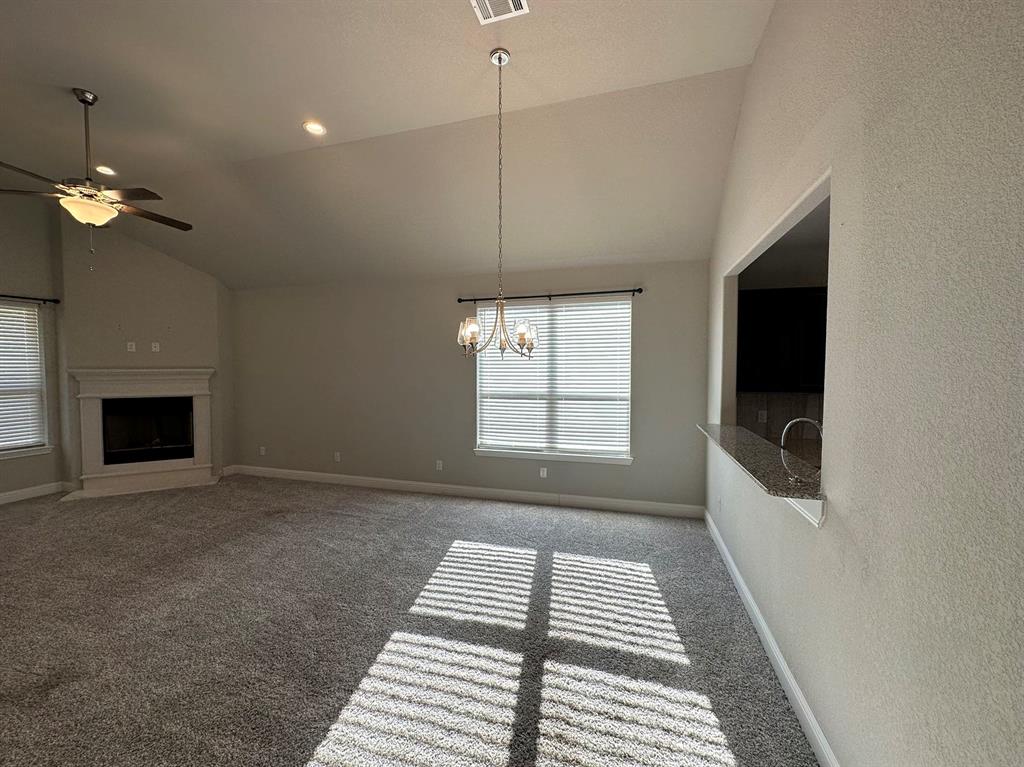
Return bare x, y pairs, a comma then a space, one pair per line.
614, 604
592, 718
428, 702
480, 582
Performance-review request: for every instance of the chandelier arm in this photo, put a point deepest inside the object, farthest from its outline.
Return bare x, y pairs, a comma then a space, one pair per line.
511, 344
490, 337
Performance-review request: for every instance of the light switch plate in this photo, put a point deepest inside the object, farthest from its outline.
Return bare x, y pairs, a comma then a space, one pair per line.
155, 346
543, 472
337, 457
438, 465
130, 346
263, 450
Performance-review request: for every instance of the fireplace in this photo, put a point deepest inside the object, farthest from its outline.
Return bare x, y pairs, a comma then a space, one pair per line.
143, 429
140, 429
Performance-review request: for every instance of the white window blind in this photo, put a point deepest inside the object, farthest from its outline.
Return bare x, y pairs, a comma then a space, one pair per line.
22, 412
573, 396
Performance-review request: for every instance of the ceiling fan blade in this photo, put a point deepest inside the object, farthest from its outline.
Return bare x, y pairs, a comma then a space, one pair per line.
29, 173
31, 194
132, 210
137, 193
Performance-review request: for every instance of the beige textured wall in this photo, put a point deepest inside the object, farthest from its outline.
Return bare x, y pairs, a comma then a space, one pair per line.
130, 292
371, 368
222, 385
29, 265
902, 617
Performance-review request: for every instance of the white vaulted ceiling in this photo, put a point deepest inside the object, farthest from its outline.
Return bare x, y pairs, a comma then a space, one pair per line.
619, 118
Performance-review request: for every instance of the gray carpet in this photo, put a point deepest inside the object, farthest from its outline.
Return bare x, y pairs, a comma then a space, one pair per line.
266, 622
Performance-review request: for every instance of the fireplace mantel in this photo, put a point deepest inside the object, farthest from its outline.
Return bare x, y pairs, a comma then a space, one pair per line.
97, 384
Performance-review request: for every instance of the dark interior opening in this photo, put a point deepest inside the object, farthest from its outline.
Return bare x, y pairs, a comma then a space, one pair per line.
780, 336
147, 429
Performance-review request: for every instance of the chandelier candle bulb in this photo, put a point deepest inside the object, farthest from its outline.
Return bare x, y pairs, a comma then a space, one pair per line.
522, 330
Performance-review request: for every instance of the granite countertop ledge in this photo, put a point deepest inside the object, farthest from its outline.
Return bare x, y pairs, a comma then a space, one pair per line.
762, 460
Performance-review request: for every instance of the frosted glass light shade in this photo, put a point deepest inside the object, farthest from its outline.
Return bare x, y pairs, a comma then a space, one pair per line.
525, 334
86, 211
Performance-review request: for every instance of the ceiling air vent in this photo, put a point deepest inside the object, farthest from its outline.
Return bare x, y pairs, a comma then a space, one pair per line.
495, 10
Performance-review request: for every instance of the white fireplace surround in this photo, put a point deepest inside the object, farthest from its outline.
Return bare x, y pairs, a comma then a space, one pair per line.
95, 385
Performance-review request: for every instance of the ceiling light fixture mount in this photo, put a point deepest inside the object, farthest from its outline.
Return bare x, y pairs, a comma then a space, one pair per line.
106, 170
524, 337
86, 98
500, 57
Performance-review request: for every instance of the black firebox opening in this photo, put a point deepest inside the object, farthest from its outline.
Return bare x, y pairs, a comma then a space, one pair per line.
147, 429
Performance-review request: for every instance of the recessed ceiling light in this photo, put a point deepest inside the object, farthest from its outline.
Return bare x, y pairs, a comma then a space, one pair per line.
312, 126
106, 170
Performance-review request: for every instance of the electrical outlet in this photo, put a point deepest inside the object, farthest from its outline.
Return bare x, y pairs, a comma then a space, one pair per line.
762, 416
130, 346
543, 472
438, 465
155, 346
263, 450
337, 457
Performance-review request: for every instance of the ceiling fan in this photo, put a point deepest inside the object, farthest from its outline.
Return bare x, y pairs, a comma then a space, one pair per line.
88, 202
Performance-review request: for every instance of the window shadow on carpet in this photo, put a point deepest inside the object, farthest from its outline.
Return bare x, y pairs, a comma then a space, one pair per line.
514, 658
427, 701
479, 582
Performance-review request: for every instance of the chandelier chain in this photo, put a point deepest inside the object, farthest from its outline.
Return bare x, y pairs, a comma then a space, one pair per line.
500, 290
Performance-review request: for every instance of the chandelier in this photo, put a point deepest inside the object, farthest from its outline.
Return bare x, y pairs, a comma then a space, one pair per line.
523, 338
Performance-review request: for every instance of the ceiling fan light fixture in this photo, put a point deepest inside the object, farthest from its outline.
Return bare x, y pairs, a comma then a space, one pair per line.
85, 202
86, 211
314, 128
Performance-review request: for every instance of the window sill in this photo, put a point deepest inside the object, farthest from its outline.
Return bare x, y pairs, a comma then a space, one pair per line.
25, 452
539, 456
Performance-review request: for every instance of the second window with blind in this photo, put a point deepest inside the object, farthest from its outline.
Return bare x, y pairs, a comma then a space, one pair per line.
570, 401
22, 388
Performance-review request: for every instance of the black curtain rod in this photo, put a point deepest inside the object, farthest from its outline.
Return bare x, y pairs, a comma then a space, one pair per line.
549, 296
31, 298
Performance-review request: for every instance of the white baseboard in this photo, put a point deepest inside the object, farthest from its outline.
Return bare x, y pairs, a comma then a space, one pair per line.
34, 492
810, 725
467, 491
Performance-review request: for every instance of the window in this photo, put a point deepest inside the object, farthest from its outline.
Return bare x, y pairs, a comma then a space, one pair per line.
572, 399
22, 410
